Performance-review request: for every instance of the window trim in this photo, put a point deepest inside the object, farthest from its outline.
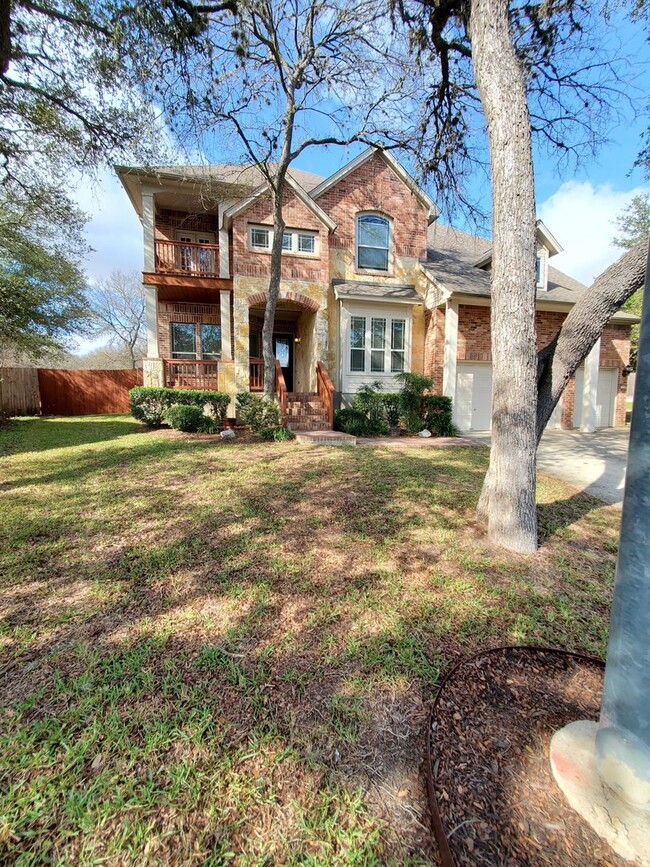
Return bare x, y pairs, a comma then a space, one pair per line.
294, 234
389, 248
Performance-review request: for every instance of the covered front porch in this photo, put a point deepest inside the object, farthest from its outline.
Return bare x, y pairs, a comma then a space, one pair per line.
293, 344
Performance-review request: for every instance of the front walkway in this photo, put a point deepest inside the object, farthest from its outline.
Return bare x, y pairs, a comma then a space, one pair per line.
594, 463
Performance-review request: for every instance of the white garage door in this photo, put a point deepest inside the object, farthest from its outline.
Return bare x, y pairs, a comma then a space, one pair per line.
605, 398
472, 408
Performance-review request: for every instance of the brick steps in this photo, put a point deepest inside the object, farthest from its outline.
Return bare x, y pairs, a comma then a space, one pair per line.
305, 412
325, 438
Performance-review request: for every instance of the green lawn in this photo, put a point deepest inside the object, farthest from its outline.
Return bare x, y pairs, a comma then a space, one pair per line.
224, 652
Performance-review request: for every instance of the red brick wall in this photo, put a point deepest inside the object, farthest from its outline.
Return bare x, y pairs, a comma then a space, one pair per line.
434, 346
374, 186
252, 263
173, 311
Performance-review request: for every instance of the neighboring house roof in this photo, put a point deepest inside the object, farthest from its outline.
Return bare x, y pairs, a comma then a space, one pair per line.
544, 237
404, 292
397, 167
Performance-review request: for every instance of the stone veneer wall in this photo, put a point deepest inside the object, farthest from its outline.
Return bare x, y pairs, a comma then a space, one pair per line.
316, 348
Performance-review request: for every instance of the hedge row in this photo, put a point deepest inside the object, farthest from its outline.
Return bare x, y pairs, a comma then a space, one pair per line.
150, 405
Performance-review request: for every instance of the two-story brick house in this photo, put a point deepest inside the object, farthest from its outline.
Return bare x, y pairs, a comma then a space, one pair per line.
372, 285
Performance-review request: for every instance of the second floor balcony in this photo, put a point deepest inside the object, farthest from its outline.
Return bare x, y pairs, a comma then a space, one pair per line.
190, 259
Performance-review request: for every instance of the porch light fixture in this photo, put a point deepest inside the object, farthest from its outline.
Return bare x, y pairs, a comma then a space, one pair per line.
297, 339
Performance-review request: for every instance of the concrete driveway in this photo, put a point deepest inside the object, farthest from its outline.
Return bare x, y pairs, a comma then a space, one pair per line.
593, 463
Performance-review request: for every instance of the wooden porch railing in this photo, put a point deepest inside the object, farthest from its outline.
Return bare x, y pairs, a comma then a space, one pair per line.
257, 374
281, 391
325, 388
191, 374
181, 257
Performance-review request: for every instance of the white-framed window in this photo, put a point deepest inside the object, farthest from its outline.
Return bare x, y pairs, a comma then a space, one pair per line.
377, 344
260, 238
373, 242
306, 242
295, 242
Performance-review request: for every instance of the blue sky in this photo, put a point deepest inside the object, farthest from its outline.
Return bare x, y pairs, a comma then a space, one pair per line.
577, 202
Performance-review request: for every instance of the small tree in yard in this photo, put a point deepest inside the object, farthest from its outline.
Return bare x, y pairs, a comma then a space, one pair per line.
279, 77
532, 67
118, 310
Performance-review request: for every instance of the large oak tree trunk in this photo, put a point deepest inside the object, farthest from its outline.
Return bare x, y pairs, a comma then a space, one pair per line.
558, 361
508, 497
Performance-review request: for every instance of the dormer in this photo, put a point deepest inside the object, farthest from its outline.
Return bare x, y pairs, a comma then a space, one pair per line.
547, 246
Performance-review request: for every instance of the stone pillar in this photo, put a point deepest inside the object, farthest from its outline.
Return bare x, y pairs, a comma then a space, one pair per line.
450, 350
151, 316
241, 341
148, 231
226, 317
224, 245
604, 769
590, 390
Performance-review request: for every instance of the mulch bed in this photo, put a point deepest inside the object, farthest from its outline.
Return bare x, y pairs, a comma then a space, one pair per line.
491, 731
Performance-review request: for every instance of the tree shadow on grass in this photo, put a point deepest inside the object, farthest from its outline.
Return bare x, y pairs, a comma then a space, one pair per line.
57, 432
232, 651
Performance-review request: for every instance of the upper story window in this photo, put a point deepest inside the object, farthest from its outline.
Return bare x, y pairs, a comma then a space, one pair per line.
295, 242
373, 242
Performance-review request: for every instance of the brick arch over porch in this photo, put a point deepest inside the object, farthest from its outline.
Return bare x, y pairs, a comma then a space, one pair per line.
259, 300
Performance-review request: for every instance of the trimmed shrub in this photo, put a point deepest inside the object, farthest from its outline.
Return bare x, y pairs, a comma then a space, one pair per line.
277, 434
436, 415
370, 402
351, 421
150, 405
412, 396
258, 412
184, 417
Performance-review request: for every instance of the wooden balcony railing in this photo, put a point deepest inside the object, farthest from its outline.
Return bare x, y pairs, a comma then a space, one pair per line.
257, 374
181, 257
281, 391
325, 390
191, 374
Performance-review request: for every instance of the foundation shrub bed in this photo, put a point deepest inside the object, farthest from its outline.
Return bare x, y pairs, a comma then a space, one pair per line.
150, 405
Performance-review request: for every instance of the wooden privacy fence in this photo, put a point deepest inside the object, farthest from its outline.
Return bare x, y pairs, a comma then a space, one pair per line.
86, 392
30, 391
19, 391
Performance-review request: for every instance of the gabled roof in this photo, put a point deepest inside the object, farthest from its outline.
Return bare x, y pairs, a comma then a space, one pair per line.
240, 207
544, 237
397, 167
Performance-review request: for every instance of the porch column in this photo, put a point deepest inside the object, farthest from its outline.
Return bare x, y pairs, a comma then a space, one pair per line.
226, 334
148, 230
151, 315
590, 390
224, 246
450, 350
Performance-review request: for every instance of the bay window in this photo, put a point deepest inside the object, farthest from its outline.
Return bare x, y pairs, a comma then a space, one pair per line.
377, 344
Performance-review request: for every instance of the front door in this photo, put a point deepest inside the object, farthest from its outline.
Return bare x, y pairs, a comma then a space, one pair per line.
283, 351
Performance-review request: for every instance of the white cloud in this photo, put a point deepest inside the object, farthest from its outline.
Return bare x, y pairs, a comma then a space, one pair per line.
114, 231
580, 216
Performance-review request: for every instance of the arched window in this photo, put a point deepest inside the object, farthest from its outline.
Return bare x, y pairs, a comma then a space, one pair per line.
373, 242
